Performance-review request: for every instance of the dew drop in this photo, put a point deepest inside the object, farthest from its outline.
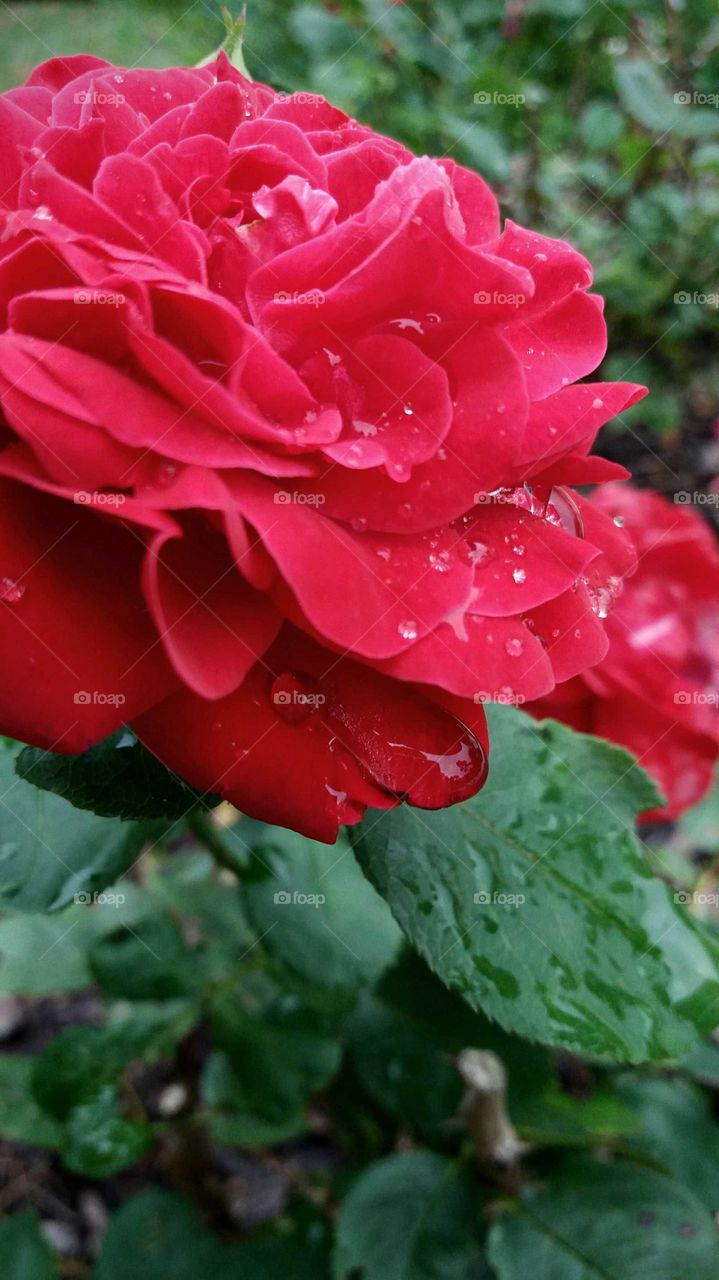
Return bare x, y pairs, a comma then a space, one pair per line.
619, 521
514, 648
519, 575
408, 629
42, 213
440, 562
479, 553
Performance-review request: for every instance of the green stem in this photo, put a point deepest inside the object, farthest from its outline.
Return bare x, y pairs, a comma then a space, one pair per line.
210, 834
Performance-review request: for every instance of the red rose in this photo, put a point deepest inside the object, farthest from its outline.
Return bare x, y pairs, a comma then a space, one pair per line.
260, 370
657, 690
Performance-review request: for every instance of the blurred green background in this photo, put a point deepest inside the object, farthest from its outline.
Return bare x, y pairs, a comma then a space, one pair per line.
595, 122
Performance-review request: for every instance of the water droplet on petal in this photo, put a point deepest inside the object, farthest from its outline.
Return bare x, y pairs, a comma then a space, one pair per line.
519, 575
43, 213
408, 629
479, 553
619, 521
514, 648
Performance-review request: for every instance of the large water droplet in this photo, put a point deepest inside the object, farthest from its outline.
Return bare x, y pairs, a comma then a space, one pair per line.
519, 575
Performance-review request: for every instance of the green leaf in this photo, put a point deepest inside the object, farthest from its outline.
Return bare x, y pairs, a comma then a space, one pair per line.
81, 1061
701, 824
702, 1063
660, 109
678, 1129
279, 1053
231, 1123
402, 1068
44, 954
318, 914
533, 902
51, 852
598, 1221
188, 884
410, 1217
21, 1120
148, 961
75, 1066
24, 1253
98, 1141
154, 1236
116, 778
